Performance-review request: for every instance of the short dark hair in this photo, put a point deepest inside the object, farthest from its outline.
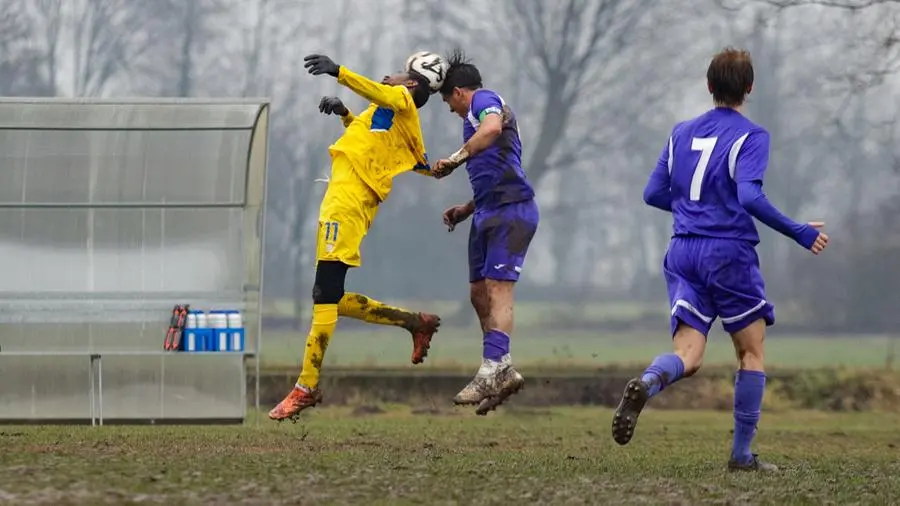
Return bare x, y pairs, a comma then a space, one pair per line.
460, 73
730, 76
423, 89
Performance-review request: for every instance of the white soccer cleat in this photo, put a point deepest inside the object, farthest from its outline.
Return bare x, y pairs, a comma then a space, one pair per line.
494, 382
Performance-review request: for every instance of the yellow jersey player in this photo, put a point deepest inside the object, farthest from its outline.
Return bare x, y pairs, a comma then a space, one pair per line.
382, 142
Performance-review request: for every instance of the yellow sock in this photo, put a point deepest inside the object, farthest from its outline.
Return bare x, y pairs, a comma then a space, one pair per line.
324, 321
363, 308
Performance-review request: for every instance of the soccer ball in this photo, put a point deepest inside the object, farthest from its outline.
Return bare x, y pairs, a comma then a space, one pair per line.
431, 65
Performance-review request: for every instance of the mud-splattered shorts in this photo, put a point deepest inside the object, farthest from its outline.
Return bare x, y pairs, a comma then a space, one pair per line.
499, 239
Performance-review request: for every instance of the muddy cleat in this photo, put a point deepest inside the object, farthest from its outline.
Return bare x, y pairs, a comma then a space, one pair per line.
754, 464
625, 420
494, 382
510, 382
481, 385
421, 335
299, 399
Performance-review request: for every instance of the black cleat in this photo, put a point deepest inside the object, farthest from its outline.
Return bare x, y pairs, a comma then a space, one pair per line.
625, 420
754, 465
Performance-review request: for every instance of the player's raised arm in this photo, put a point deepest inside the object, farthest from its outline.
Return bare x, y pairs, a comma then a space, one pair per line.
749, 170
658, 192
488, 109
396, 98
392, 97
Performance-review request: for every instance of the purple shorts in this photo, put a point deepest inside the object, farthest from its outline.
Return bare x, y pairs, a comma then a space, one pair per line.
499, 239
709, 278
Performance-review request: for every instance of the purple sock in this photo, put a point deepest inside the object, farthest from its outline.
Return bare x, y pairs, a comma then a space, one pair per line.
496, 344
663, 371
748, 395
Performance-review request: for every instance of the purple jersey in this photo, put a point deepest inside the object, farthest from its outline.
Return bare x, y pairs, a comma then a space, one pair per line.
706, 157
710, 177
496, 173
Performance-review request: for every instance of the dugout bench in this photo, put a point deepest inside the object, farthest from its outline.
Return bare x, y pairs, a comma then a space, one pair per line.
111, 212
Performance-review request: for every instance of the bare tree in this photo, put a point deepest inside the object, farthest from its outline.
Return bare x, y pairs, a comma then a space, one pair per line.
106, 35
881, 35
189, 36
20, 63
255, 50
49, 20
568, 42
98, 40
851, 5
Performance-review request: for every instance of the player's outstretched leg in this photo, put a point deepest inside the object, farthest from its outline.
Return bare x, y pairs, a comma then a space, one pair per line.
422, 326
327, 291
496, 379
663, 371
749, 387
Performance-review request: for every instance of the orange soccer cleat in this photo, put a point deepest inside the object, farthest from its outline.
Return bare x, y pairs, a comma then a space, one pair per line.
422, 333
299, 399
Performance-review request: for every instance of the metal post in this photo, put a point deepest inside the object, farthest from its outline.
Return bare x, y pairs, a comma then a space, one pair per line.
162, 386
100, 385
91, 380
256, 359
261, 230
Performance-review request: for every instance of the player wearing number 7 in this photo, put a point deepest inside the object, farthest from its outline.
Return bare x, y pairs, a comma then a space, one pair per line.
380, 143
710, 177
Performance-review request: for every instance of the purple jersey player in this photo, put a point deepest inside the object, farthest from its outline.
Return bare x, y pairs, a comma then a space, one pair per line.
710, 177
505, 221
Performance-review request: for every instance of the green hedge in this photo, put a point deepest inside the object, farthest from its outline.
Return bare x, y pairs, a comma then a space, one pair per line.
822, 389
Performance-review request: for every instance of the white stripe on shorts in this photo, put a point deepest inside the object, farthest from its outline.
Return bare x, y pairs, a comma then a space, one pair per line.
732, 319
687, 305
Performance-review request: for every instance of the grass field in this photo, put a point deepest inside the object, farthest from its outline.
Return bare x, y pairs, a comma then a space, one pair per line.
395, 456
537, 347
535, 343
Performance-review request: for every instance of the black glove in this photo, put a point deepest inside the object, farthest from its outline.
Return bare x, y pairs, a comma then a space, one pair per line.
319, 64
332, 105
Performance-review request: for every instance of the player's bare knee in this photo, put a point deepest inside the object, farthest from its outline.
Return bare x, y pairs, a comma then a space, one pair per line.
690, 345
749, 345
751, 359
497, 288
500, 296
692, 358
500, 304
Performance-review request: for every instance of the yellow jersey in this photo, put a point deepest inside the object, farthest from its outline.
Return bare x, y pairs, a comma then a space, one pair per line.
385, 140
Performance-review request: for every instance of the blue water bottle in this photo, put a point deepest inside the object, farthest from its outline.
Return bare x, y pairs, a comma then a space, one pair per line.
218, 320
192, 338
235, 331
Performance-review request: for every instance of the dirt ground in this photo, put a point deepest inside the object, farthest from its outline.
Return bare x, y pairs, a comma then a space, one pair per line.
427, 455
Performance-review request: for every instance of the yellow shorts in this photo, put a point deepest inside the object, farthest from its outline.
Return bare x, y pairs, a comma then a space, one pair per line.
346, 213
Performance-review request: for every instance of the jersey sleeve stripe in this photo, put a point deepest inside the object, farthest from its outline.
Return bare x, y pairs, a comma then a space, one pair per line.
671, 155
733, 154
